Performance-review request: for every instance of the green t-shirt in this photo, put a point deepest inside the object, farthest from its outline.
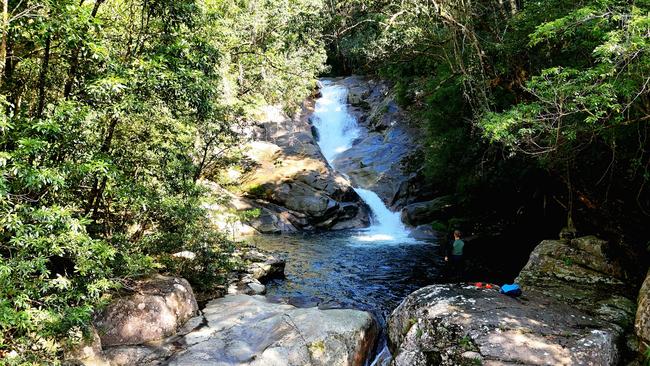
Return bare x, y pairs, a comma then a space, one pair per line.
458, 247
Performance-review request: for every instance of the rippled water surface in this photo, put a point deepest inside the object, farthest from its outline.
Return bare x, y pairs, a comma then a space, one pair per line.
333, 269
371, 269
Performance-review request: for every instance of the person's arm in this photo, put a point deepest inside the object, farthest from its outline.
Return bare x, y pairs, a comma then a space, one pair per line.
449, 245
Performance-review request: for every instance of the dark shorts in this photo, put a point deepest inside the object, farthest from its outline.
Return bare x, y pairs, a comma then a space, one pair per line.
457, 266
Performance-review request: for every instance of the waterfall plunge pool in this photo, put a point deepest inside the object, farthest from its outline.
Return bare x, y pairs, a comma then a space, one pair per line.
335, 270
370, 269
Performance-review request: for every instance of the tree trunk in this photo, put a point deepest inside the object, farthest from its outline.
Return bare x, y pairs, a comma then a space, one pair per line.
97, 190
96, 7
99, 194
72, 73
513, 7
74, 58
502, 9
9, 62
204, 158
42, 79
570, 229
8, 85
5, 29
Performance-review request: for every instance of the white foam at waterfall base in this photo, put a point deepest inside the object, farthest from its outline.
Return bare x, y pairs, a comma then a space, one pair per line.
337, 130
386, 225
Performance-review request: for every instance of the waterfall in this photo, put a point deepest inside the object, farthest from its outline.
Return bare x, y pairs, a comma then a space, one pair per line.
337, 130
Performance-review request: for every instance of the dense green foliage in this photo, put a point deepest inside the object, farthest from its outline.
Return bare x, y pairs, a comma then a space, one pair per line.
512, 89
111, 112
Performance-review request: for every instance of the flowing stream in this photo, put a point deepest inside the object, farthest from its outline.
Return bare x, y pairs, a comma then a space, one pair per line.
371, 269
337, 130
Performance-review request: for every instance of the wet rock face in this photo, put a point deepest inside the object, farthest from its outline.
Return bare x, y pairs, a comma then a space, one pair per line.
378, 160
249, 330
464, 325
582, 273
420, 213
295, 189
642, 323
292, 183
157, 308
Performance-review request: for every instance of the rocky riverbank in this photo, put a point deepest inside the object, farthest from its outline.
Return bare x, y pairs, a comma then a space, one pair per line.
249, 330
578, 308
159, 323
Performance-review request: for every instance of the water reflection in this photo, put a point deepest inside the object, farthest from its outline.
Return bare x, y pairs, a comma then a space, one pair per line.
331, 268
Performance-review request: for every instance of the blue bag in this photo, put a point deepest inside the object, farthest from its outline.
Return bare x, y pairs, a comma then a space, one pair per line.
513, 290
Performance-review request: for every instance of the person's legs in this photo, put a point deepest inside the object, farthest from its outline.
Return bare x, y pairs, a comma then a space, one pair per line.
457, 261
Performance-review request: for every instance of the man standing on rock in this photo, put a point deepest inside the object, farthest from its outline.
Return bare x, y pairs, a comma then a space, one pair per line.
456, 250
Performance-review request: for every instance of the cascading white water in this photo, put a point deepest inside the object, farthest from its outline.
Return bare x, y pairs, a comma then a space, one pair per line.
387, 225
337, 130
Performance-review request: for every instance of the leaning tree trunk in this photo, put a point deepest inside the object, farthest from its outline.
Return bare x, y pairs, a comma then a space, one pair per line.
74, 58
42, 79
513, 7
5, 29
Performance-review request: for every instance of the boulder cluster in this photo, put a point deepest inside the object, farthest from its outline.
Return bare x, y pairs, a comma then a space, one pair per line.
159, 322
578, 308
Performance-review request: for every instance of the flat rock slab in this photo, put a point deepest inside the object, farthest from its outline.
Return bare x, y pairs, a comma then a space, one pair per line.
249, 330
463, 325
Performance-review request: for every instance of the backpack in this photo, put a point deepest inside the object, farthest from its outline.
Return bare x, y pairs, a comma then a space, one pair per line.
513, 290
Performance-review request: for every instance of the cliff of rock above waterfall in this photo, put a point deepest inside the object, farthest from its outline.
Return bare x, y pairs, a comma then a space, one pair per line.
292, 186
381, 158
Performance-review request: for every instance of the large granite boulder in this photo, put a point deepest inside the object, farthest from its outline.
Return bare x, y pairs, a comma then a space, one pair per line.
87, 350
157, 308
576, 309
420, 213
150, 353
464, 325
642, 323
584, 273
292, 183
249, 330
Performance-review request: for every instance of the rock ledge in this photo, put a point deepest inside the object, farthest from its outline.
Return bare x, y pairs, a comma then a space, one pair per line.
460, 324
